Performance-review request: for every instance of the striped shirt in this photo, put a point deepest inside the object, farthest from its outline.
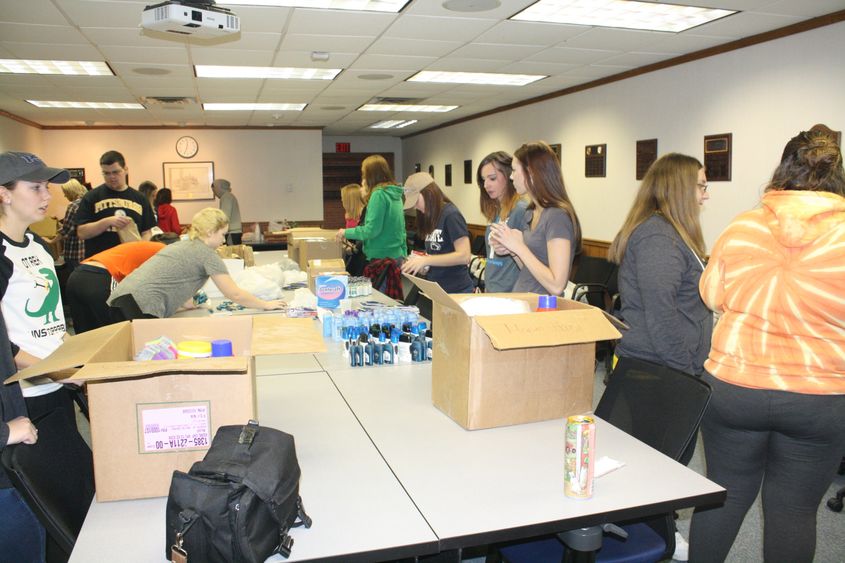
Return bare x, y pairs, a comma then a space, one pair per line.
777, 274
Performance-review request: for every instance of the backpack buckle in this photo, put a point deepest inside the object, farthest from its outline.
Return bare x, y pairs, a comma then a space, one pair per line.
248, 433
285, 545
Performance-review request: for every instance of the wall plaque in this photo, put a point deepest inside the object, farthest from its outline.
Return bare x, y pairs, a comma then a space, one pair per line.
717, 157
595, 161
646, 155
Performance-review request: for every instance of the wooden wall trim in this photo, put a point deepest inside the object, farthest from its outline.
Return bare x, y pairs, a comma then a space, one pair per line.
13, 117
800, 27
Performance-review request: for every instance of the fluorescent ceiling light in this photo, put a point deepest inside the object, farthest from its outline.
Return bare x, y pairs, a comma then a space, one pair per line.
83, 68
475, 78
393, 124
253, 107
217, 71
628, 14
85, 105
356, 5
405, 107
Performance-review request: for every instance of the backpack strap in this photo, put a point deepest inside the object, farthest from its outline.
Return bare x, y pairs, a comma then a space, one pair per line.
241, 452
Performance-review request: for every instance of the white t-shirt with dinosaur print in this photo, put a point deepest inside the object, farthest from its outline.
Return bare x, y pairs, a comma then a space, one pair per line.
32, 304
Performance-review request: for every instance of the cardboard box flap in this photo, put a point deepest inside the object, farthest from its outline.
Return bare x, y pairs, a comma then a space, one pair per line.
108, 343
556, 328
435, 292
129, 369
277, 334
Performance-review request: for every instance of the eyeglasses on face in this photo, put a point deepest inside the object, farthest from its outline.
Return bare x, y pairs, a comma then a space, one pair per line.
703, 186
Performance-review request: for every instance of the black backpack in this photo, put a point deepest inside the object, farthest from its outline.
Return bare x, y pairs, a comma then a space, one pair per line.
237, 504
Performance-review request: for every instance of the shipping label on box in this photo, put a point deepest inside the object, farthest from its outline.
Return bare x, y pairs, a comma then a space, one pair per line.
165, 427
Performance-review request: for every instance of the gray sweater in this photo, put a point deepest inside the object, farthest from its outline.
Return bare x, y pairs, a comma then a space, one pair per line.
658, 284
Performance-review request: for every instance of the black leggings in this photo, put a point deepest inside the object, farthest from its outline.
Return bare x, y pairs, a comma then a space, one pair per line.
791, 444
88, 288
125, 308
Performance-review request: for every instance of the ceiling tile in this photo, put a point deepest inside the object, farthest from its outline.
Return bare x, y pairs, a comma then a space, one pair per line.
571, 56
529, 33
57, 34
333, 22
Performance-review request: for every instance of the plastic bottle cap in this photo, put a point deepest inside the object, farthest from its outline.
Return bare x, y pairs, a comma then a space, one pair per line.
193, 349
221, 348
543, 302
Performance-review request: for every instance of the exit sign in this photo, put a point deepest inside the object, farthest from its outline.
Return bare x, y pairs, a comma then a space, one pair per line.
342, 147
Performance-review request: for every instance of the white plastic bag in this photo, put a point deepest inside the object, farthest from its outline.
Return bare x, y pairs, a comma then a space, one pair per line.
254, 282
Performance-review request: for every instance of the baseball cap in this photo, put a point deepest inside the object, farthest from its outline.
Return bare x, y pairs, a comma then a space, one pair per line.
414, 185
28, 167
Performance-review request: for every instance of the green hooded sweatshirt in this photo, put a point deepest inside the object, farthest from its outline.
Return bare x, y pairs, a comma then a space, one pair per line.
383, 231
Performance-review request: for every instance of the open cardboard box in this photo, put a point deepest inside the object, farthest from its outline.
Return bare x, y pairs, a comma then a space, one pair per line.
498, 370
152, 417
241, 251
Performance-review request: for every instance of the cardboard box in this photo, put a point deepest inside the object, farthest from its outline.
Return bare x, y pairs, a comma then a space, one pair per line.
300, 233
241, 251
499, 370
324, 266
315, 248
150, 418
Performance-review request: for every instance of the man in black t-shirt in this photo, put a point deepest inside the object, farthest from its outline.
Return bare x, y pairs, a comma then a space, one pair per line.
113, 206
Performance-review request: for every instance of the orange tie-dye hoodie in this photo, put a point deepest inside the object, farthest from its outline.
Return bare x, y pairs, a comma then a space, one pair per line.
777, 275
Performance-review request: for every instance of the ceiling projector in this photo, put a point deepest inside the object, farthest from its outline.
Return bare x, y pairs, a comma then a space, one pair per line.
196, 19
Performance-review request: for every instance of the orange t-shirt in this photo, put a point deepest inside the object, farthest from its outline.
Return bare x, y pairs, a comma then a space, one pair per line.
122, 259
777, 274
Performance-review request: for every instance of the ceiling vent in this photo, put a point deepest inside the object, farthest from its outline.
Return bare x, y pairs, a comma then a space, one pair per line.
168, 102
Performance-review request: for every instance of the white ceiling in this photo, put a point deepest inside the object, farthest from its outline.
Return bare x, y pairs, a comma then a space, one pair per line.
424, 36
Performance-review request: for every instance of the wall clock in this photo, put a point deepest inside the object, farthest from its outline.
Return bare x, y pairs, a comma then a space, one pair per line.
187, 147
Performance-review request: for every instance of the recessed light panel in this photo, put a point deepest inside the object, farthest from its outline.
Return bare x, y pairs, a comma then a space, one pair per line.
405, 107
392, 124
74, 68
475, 78
253, 107
392, 6
285, 73
628, 14
85, 105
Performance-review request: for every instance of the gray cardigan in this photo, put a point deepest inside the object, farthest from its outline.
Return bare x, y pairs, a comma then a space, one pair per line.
658, 284
11, 401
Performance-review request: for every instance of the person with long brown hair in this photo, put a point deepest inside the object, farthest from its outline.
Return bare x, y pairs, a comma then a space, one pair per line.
444, 229
776, 419
552, 234
500, 204
352, 198
660, 251
383, 231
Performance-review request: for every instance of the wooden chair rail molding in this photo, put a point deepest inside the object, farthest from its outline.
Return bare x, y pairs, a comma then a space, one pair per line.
589, 247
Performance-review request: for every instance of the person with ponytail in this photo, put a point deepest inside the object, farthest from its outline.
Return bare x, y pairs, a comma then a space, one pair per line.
776, 419
169, 279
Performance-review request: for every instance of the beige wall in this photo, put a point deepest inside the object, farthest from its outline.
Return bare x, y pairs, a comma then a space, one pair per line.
275, 174
762, 94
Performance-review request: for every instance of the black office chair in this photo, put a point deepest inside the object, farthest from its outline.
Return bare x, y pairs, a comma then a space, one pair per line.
55, 476
596, 283
661, 407
479, 246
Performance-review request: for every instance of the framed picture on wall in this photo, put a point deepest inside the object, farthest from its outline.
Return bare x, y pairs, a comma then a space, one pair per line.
189, 181
77, 174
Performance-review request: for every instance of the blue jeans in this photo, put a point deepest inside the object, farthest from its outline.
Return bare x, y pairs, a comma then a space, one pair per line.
22, 537
788, 444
